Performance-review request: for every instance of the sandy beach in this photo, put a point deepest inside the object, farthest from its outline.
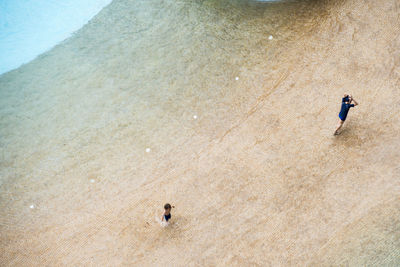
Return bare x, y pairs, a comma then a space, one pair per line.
225, 109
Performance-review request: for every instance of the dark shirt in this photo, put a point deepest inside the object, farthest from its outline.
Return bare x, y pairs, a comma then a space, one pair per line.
345, 109
167, 217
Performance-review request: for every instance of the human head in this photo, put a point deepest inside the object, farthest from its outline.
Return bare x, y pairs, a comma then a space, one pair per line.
347, 99
167, 206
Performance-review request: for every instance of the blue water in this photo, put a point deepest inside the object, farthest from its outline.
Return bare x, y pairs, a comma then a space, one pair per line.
31, 27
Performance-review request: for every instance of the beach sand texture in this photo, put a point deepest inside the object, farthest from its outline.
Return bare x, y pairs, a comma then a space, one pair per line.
257, 177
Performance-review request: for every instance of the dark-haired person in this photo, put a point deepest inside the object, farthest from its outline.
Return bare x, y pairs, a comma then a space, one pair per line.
346, 105
167, 213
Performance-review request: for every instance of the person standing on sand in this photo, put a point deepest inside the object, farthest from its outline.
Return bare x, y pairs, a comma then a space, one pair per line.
346, 105
167, 213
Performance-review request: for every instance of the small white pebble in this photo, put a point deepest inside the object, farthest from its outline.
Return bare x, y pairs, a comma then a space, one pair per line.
148, 150
31, 206
237, 78
92, 180
195, 117
270, 37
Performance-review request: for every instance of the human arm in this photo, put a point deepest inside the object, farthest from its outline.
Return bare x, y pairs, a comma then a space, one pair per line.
353, 100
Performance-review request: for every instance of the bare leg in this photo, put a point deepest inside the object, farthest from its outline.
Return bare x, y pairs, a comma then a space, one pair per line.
340, 124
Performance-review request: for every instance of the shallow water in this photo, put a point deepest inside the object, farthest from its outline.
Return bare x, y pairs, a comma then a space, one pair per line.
29, 28
100, 131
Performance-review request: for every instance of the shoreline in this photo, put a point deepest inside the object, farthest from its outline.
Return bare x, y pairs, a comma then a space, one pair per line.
30, 31
132, 112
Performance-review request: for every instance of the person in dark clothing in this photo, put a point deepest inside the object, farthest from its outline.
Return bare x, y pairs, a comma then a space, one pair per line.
167, 213
346, 105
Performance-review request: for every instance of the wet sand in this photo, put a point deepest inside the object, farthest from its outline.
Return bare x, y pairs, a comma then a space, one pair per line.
257, 177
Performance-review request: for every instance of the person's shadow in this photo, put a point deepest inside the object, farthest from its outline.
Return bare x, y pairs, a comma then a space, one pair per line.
355, 135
